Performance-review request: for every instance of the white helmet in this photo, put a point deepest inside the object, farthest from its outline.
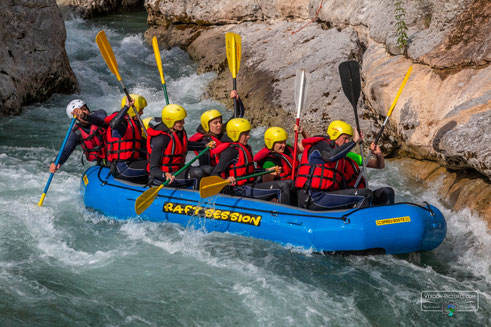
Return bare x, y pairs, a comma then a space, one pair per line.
77, 103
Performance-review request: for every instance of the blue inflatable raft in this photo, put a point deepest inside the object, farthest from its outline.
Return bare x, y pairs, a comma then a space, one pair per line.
397, 228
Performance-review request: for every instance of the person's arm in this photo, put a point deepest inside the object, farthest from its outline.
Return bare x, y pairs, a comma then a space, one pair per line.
97, 118
119, 124
71, 144
158, 143
379, 161
240, 105
268, 177
330, 154
305, 135
227, 158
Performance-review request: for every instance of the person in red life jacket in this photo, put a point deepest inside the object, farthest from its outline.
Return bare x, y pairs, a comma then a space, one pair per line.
319, 177
89, 131
353, 161
167, 146
125, 150
211, 129
236, 160
277, 153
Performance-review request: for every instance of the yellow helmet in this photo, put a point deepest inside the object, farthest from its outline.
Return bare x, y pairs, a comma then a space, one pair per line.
338, 127
172, 113
146, 121
140, 103
207, 116
237, 126
273, 135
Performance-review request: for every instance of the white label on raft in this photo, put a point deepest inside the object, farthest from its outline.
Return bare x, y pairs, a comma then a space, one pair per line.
393, 221
86, 180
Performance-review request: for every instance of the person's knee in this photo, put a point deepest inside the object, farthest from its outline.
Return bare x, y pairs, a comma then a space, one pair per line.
197, 172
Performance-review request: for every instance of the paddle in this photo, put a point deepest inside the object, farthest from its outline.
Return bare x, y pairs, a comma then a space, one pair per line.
156, 51
349, 72
146, 199
301, 87
57, 161
388, 115
232, 45
212, 185
110, 59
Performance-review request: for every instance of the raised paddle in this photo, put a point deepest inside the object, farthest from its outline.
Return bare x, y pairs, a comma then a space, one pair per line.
110, 59
349, 72
232, 45
212, 185
146, 199
156, 51
301, 87
57, 161
388, 115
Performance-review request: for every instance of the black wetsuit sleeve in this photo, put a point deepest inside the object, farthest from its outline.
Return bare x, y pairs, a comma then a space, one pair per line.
330, 154
71, 144
158, 144
97, 118
227, 157
240, 108
118, 123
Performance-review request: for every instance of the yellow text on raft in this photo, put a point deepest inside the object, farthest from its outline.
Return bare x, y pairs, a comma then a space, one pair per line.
210, 213
390, 221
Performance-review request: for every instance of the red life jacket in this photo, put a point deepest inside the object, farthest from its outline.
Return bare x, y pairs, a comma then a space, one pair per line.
174, 155
286, 160
244, 165
126, 147
324, 176
351, 172
198, 137
93, 143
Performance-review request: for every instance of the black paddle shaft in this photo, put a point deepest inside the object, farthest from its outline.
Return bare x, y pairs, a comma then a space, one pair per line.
349, 71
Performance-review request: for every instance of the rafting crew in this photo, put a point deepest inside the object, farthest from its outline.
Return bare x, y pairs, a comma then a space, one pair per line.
167, 146
235, 160
125, 147
89, 131
352, 162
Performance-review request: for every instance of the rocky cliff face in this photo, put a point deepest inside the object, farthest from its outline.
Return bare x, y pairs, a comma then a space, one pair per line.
33, 61
446, 99
443, 112
92, 8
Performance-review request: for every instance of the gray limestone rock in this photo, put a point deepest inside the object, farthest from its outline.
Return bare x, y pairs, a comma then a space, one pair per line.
92, 8
33, 60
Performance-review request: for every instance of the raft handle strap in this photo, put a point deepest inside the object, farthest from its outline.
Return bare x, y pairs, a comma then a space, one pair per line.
427, 208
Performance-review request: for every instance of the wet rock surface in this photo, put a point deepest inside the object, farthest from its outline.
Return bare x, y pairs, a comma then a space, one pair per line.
33, 60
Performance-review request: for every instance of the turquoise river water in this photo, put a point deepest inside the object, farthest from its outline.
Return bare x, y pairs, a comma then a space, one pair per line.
64, 265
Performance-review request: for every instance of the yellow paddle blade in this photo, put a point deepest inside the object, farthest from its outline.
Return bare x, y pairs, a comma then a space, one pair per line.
400, 91
146, 199
107, 53
232, 43
156, 50
211, 185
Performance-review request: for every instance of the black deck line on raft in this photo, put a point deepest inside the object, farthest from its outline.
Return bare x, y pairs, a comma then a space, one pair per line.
344, 217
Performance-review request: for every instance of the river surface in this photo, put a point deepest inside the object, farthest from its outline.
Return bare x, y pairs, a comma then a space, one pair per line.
64, 265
